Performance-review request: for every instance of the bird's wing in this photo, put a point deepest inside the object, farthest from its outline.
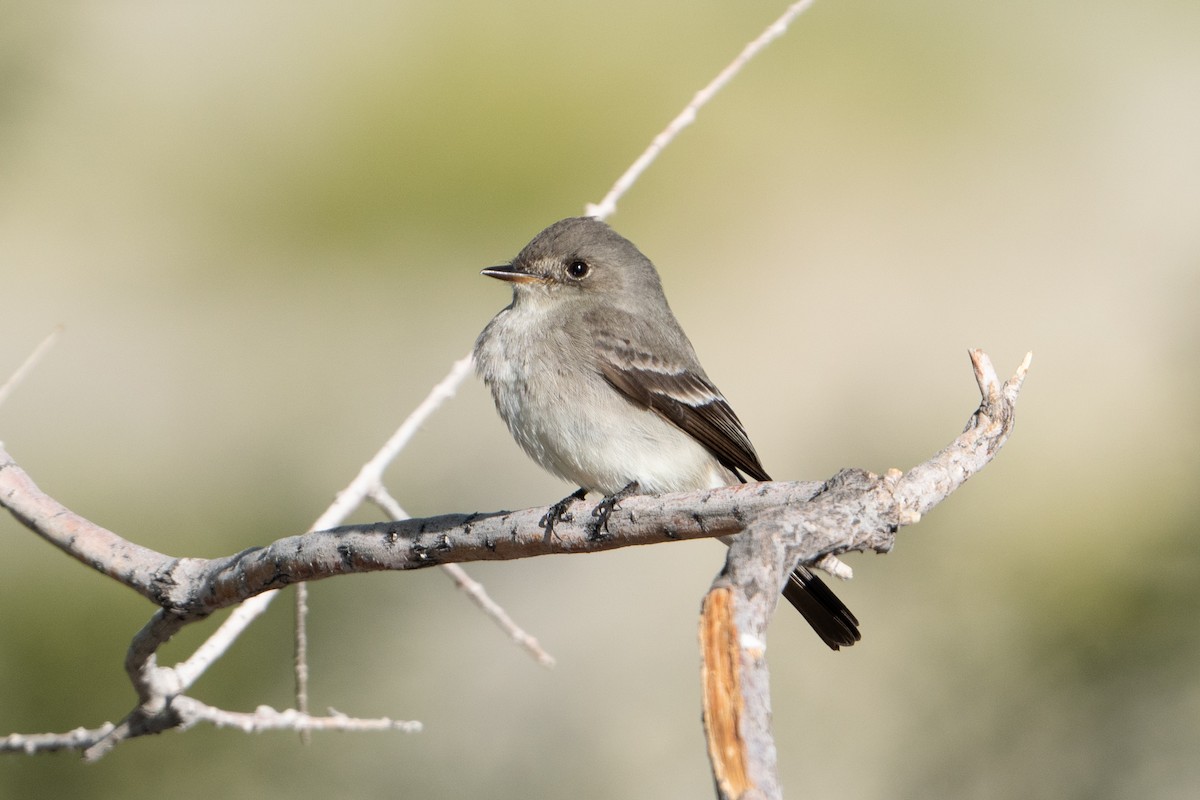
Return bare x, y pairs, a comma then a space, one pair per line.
687, 398
683, 396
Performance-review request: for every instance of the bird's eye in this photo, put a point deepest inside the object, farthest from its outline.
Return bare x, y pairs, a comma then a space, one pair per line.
578, 269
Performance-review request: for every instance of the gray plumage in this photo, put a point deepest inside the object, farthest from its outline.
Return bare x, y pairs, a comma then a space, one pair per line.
597, 382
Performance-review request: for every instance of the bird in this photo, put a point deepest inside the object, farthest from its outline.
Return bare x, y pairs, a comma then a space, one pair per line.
599, 385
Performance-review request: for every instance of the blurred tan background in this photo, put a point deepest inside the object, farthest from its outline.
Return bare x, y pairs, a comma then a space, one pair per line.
262, 223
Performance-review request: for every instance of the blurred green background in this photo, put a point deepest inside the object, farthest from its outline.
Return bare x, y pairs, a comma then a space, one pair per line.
262, 223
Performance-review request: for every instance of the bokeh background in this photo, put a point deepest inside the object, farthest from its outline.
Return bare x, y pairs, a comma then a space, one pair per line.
261, 225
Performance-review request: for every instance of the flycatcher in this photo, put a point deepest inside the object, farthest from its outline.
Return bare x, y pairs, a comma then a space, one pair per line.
599, 385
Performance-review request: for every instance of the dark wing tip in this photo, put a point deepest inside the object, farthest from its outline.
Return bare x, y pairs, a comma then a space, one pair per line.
689, 401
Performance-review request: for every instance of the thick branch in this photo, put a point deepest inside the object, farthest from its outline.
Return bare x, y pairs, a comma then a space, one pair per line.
192, 587
97, 547
855, 510
788, 522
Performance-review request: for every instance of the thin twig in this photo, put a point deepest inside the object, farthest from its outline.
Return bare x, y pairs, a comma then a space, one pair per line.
265, 718
608, 206
300, 656
29, 363
371, 473
350, 498
222, 639
78, 739
180, 712
473, 588
347, 500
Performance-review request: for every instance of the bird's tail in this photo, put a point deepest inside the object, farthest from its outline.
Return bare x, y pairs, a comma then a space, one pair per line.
822, 609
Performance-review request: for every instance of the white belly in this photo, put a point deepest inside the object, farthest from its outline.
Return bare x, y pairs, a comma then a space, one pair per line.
576, 425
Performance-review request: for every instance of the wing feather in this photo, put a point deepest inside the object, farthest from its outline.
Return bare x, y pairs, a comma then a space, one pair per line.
684, 397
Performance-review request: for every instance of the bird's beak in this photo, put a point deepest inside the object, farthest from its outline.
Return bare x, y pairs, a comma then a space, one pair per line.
512, 274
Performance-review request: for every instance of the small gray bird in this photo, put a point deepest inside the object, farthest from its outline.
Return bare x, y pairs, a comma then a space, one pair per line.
599, 385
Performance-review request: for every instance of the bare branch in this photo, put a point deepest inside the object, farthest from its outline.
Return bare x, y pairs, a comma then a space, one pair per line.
192, 588
300, 656
189, 671
182, 712
97, 547
473, 589
369, 477
29, 363
518, 635
31, 743
266, 718
371, 474
855, 510
785, 523
608, 206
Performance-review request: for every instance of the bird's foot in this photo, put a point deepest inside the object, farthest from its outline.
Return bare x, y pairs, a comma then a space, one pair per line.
559, 511
607, 506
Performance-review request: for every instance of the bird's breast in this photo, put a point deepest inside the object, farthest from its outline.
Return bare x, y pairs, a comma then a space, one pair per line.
575, 424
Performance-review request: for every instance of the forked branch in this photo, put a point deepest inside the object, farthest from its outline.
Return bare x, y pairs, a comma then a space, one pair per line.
855, 510
784, 522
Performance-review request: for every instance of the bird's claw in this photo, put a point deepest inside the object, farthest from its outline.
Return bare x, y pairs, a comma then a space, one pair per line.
559, 512
606, 507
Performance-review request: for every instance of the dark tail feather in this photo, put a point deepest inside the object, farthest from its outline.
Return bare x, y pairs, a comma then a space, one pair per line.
828, 616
